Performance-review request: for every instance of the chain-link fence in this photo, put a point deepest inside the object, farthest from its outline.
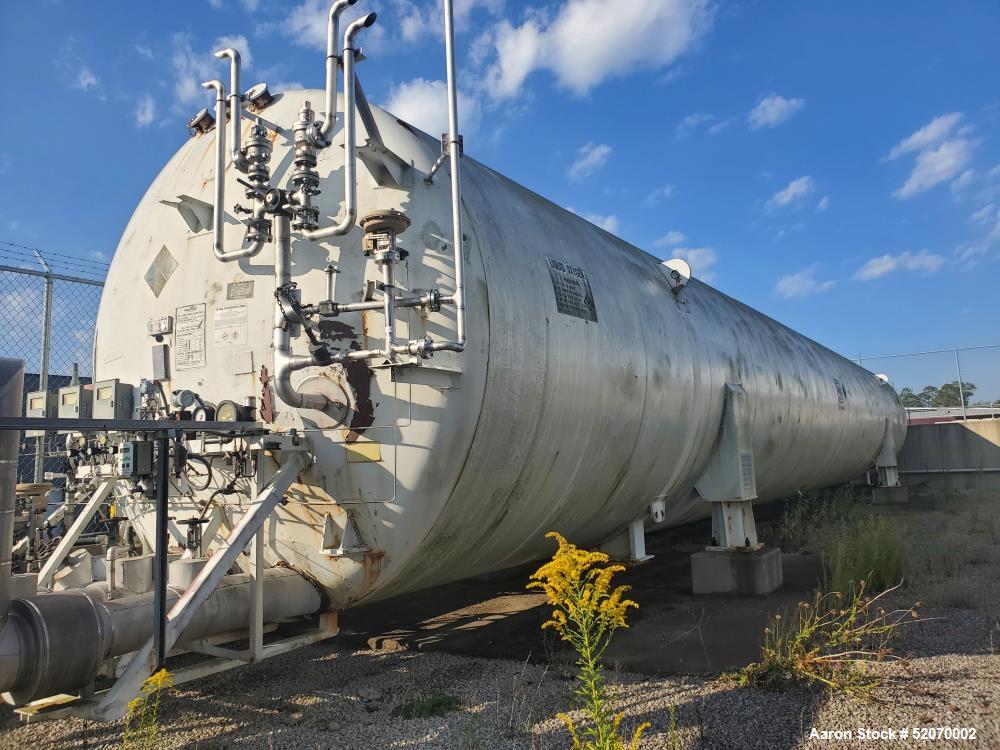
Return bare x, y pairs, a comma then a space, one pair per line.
944, 384
48, 310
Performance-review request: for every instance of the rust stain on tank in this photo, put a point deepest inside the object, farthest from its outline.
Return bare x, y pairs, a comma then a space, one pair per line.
358, 375
373, 565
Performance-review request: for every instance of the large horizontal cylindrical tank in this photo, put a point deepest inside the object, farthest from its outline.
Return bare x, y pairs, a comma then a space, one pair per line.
587, 389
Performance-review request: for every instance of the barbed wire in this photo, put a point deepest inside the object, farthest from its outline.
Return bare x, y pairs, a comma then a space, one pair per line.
23, 254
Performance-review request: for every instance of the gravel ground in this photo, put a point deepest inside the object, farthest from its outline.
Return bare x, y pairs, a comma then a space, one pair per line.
328, 696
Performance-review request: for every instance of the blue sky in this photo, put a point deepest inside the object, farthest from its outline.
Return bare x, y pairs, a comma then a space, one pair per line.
833, 164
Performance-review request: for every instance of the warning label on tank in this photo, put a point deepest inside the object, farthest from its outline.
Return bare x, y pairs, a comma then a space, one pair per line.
572, 290
189, 341
229, 325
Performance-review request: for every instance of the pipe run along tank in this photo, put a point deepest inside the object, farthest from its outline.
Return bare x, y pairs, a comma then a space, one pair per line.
587, 389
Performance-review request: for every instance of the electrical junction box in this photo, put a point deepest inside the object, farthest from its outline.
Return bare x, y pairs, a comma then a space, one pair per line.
112, 400
40, 404
135, 458
76, 402
160, 326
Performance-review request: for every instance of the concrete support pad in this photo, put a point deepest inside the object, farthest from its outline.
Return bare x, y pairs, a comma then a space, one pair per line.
890, 495
747, 573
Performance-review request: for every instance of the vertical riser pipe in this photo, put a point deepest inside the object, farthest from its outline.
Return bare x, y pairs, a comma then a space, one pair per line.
11, 399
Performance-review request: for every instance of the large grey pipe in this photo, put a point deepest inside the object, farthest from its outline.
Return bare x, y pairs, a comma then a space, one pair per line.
285, 363
235, 107
332, 59
350, 139
458, 298
55, 643
219, 209
11, 400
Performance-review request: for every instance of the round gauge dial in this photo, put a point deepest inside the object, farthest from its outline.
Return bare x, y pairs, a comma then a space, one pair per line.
203, 413
228, 411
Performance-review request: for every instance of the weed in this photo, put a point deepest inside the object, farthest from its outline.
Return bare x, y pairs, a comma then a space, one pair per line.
142, 722
673, 737
831, 641
587, 612
869, 548
425, 708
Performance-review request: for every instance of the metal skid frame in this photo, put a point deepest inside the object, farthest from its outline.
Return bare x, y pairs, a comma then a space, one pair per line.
111, 704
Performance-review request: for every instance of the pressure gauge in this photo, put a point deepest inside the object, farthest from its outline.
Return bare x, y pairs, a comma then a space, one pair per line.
203, 413
228, 411
183, 399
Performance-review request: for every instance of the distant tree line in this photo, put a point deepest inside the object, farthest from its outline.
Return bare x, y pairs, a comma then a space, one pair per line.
942, 396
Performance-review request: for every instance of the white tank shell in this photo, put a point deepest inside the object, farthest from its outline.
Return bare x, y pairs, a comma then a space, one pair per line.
547, 421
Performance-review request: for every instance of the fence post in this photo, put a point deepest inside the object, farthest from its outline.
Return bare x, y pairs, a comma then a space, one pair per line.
961, 388
43, 375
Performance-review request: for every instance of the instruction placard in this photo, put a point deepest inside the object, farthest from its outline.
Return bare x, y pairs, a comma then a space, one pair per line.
189, 340
229, 325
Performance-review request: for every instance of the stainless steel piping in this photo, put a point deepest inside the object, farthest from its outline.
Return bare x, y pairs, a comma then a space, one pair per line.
219, 209
458, 298
350, 146
235, 107
11, 400
285, 363
55, 643
325, 130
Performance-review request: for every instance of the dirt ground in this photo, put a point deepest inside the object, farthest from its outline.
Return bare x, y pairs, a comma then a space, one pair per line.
474, 649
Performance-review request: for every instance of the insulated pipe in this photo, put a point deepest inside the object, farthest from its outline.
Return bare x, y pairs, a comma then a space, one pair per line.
55, 643
350, 147
11, 401
285, 363
235, 107
332, 59
458, 298
219, 209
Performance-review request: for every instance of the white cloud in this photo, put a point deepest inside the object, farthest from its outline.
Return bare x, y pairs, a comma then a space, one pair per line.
75, 72
586, 42
607, 223
963, 181
920, 262
144, 51
773, 110
942, 152
802, 284
423, 103
670, 238
929, 135
691, 123
701, 260
590, 157
145, 110
793, 192
936, 165
659, 195
191, 68
305, 25
982, 216
824, 203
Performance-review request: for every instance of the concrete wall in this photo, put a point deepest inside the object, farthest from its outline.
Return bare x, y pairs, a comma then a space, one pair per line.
952, 455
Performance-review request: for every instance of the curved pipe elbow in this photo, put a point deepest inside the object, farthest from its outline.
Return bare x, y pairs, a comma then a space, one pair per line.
325, 131
345, 226
236, 111
284, 365
352, 30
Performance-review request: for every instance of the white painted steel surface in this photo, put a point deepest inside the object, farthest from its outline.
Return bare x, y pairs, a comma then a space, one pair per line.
546, 421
